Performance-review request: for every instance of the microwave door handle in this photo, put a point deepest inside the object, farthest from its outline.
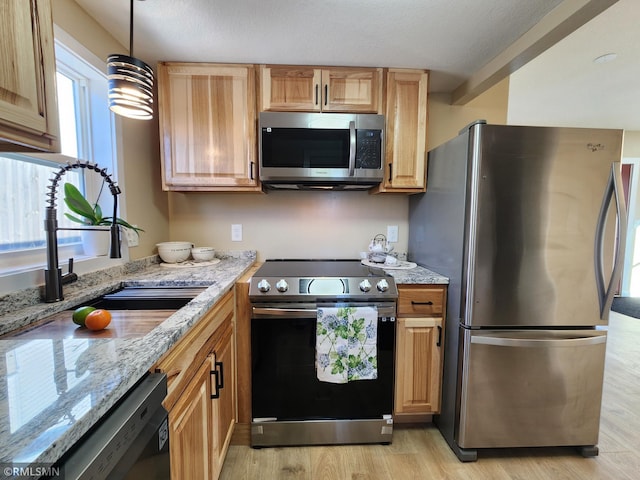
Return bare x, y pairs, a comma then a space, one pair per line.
352, 148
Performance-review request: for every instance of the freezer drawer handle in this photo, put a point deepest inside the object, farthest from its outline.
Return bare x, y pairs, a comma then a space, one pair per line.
413, 302
543, 342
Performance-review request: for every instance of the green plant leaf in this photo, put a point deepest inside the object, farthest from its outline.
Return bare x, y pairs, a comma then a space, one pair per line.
91, 215
79, 205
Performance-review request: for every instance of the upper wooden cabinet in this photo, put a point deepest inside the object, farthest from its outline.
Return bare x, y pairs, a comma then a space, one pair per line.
208, 127
320, 89
28, 107
406, 131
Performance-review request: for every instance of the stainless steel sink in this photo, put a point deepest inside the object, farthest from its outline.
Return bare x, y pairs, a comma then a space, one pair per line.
147, 298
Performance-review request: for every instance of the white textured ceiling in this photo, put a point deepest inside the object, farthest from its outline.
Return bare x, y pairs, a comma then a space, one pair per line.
452, 38
565, 87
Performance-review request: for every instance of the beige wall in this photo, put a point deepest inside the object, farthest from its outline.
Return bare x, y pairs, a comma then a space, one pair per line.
278, 224
446, 120
631, 146
289, 224
138, 146
319, 224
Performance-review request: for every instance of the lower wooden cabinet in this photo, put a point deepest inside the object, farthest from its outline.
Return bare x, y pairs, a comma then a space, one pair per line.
224, 406
419, 346
190, 428
201, 397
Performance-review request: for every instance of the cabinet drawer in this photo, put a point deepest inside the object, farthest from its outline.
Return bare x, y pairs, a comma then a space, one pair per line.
421, 300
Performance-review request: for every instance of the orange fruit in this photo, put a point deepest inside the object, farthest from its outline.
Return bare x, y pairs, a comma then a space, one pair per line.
98, 319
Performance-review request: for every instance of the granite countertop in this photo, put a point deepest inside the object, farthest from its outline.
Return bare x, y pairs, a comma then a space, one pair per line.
53, 391
416, 275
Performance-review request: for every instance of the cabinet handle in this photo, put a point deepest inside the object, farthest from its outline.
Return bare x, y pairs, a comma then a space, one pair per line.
317, 93
221, 376
218, 383
413, 302
326, 93
390, 174
439, 342
214, 388
251, 165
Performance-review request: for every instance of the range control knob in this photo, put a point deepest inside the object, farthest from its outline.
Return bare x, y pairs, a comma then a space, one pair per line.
365, 285
282, 285
264, 286
383, 285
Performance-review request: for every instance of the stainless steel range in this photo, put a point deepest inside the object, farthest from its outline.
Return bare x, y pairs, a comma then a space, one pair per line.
322, 348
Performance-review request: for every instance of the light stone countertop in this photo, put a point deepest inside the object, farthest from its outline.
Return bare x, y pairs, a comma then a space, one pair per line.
416, 275
53, 391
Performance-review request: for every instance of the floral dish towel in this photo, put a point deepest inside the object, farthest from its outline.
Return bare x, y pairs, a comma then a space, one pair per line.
346, 347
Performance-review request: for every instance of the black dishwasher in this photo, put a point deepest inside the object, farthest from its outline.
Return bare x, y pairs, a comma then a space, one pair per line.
130, 442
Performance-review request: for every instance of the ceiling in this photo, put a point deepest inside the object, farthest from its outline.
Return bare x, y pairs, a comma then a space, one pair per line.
454, 39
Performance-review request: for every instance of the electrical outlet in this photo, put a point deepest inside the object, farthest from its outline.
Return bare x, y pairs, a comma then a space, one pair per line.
392, 233
132, 237
236, 233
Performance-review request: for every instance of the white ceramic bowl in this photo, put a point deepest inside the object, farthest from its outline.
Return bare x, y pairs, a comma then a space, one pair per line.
203, 254
174, 252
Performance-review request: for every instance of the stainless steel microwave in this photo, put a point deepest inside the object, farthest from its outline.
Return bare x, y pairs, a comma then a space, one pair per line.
321, 150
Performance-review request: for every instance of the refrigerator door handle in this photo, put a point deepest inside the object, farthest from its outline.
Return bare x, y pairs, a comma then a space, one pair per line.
614, 190
538, 342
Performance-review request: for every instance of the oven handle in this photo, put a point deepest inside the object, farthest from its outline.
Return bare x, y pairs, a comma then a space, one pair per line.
384, 311
286, 312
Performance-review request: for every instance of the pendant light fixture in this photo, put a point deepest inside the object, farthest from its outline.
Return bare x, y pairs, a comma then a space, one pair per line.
130, 82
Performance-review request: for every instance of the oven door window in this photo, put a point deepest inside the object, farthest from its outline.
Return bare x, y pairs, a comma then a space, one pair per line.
284, 381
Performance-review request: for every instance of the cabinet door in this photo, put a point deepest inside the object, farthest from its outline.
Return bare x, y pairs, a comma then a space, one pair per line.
190, 428
309, 89
290, 88
224, 407
351, 90
28, 107
406, 140
418, 365
207, 127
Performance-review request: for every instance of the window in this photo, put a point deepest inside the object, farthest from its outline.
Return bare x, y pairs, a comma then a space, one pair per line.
86, 133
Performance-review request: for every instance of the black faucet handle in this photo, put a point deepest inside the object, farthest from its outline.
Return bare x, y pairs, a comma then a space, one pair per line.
69, 276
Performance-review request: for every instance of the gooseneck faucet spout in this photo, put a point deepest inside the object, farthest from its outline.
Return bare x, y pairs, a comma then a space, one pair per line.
53, 277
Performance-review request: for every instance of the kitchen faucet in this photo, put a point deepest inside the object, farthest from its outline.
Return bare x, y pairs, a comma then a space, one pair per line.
53, 277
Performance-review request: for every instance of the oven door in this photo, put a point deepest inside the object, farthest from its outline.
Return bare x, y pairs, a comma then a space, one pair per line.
285, 386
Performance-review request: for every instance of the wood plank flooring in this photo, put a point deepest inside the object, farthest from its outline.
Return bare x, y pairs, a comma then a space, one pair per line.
419, 452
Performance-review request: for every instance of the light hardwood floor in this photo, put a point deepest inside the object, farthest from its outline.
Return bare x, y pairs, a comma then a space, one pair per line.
419, 452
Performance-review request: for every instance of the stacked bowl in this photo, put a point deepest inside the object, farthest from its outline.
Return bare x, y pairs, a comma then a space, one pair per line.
174, 252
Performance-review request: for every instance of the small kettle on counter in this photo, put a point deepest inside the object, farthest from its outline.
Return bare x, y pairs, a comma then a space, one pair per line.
379, 248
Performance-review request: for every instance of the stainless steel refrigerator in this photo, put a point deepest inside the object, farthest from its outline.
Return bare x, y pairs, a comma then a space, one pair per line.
525, 222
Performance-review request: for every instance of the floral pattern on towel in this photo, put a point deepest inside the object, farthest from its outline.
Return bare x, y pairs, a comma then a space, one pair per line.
346, 347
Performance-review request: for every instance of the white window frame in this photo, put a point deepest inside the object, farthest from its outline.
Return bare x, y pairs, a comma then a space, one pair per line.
26, 272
